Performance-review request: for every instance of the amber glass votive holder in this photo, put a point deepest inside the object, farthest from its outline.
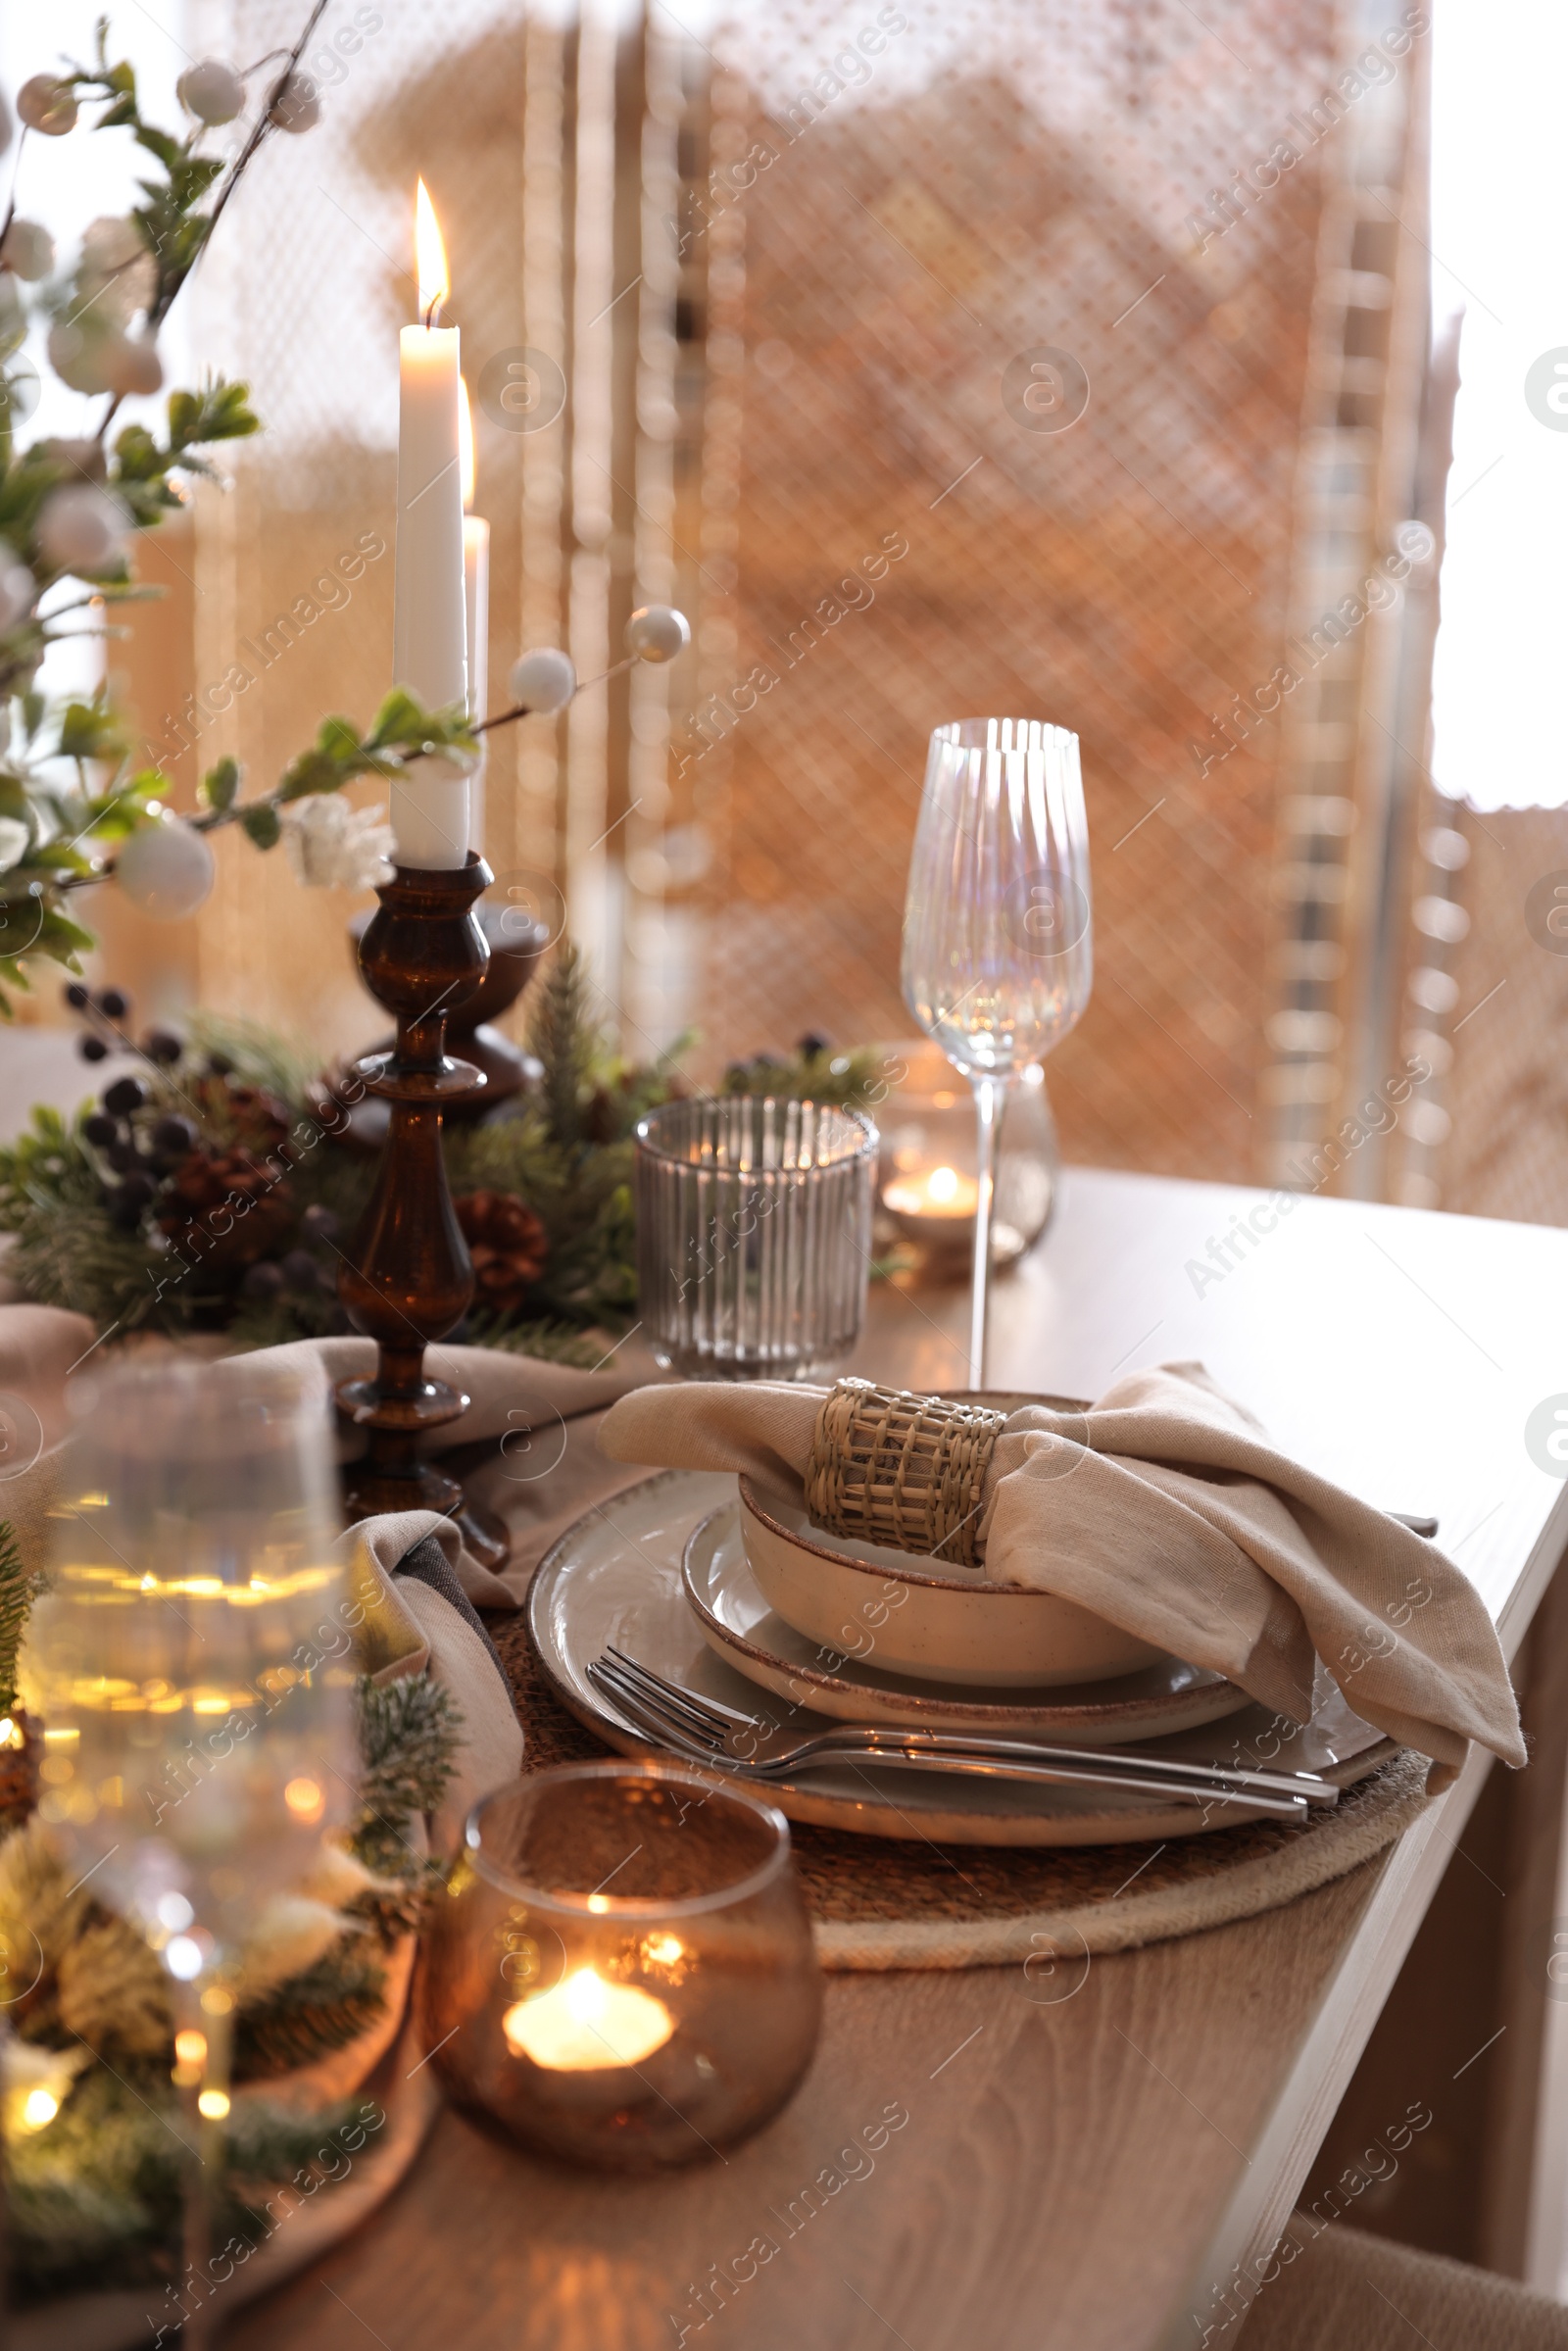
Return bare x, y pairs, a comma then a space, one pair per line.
620, 1971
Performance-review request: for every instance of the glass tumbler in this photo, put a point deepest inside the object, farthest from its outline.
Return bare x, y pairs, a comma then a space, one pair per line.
753, 1235
623, 1970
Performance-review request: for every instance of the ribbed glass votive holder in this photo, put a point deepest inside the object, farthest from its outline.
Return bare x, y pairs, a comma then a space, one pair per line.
753, 1235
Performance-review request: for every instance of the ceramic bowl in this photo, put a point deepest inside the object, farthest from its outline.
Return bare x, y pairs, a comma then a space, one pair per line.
866, 1601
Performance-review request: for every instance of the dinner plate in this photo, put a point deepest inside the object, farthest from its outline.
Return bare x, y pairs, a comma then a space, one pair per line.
733, 1612
615, 1578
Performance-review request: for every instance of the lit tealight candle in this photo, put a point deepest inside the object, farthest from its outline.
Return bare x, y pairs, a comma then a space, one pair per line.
585, 2025
430, 807
476, 604
942, 1192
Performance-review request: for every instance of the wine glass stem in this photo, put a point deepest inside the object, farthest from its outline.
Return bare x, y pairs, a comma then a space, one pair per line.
987, 1106
206, 2103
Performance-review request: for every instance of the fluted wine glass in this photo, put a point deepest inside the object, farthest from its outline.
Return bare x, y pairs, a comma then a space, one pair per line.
997, 925
193, 1665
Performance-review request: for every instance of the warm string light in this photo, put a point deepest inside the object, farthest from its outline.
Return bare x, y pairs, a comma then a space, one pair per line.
430, 255
190, 2056
304, 1801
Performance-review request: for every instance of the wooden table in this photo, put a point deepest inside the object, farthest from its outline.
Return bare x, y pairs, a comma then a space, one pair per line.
1084, 2175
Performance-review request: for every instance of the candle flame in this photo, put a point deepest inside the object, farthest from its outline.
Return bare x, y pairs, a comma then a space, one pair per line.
585, 2025
431, 256
465, 442
943, 1184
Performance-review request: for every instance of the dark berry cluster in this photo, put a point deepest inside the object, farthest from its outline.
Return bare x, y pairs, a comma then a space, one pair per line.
298, 1274
104, 1016
765, 1070
204, 1166
137, 1153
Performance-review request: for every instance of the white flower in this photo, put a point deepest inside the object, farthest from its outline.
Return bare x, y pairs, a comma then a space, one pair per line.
13, 842
210, 91
333, 847
117, 276
544, 681
29, 249
81, 529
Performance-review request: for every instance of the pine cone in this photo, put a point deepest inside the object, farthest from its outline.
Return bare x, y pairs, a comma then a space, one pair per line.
506, 1243
227, 1207
252, 1121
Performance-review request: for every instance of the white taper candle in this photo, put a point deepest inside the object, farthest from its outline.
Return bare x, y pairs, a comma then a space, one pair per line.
430, 636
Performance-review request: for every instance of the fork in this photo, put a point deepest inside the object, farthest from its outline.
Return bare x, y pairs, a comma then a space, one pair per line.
702, 1729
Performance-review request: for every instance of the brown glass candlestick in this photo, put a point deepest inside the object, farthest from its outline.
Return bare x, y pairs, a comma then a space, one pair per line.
516, 946
407, 1278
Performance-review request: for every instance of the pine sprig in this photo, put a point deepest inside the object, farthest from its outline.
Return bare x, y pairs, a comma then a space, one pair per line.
96, 2198
856, 1080
68, 1250
65, 1251
408, 1733
319, 2010
547, 1341
17, 1590
563, 1035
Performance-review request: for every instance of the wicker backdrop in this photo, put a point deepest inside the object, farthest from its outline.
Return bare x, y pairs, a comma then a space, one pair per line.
800, 378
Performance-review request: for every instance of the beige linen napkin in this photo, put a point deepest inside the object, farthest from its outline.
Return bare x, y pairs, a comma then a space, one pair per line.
416, 1619
548, 1469
1164, 1509
546, 1472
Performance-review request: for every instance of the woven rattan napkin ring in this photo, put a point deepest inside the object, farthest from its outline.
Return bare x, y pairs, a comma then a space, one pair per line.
907, 1471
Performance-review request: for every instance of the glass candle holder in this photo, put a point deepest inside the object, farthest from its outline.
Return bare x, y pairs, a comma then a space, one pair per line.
927, 1180
622, 1971
753, 1235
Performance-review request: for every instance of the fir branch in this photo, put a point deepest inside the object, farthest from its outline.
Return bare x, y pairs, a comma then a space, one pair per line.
96, 2198
67, 1251
286, 1066
855, 1080
565, 1039
322, 2009
408, 1735
18, 1591
547, 1340
582, 1196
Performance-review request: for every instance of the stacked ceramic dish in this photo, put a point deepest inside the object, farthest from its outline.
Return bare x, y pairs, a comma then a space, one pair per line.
872, 1688
879, 1636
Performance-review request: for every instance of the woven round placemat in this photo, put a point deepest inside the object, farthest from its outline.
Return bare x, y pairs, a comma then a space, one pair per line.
879, 1902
